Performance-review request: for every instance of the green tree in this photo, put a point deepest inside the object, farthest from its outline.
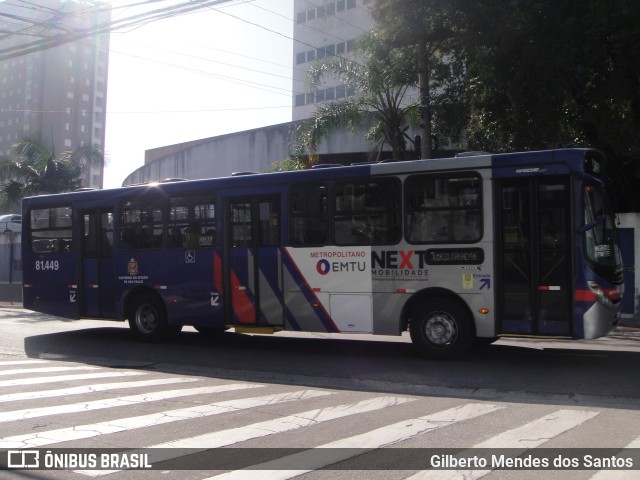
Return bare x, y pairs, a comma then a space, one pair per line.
426, 30
554, 73
376, 84
537, 73
35, 168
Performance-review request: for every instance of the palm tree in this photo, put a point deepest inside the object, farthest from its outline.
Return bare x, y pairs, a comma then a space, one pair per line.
378, 85
35, 169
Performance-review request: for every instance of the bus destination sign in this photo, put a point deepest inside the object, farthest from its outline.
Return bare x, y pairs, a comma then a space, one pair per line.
455, 256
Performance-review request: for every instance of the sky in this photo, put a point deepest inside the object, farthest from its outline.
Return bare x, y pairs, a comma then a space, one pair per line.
196, 76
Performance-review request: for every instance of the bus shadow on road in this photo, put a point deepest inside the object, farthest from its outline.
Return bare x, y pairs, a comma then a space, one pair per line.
506, 370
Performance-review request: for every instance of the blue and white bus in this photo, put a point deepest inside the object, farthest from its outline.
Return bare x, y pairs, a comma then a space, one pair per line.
454, 250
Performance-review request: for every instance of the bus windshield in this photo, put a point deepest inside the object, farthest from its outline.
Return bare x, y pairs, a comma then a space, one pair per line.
600, 238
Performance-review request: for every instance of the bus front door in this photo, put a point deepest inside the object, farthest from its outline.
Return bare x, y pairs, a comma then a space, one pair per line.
96, 281
252, 264
533, 248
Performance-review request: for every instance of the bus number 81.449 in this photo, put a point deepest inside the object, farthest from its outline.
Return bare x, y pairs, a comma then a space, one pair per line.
47, 264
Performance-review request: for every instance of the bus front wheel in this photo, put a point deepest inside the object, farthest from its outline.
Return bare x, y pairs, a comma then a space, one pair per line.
148, 318
441, 328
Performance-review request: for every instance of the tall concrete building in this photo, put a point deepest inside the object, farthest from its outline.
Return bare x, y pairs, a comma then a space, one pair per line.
324, 28
59, 92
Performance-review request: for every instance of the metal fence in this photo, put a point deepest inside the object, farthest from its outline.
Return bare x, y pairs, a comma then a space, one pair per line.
10, 258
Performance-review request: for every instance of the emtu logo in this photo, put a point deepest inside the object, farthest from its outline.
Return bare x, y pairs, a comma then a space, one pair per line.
323, 267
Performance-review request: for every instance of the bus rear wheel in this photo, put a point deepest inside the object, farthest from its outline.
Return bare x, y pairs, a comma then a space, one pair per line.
441, 328
148, 319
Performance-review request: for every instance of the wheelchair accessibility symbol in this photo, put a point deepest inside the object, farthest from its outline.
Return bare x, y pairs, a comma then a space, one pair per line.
190, 256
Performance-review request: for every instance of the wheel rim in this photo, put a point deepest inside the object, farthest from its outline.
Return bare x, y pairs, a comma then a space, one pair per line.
440, 328
146, 318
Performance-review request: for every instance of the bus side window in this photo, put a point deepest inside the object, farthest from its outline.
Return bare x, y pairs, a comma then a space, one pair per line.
141, 225
443, 209
192, 221
308, 215
51, 230
368, 212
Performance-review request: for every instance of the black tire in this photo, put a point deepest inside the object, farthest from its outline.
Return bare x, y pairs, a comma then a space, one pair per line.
441, 328
148, 319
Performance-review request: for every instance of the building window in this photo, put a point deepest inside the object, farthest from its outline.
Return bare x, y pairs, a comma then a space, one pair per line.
301, 17
301, 57
300, 99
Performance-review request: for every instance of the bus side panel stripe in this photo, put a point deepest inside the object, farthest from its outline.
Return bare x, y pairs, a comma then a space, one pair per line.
307, 291
243, 306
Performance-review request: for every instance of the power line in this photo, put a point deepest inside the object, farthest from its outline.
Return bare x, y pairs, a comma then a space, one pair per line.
132, 21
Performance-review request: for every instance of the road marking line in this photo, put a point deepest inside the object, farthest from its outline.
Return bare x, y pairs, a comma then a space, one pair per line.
230, 436
21, 362
619, 474
22, 371
343, 449
530, 435
101, 387
39, 439
119, 401
66, 378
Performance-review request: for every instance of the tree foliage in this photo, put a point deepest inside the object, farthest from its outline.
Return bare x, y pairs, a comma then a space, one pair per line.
35, 169
540, 73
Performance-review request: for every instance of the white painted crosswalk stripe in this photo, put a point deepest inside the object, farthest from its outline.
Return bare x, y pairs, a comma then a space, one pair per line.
344, 449
619, 474
262, 429
33, 440
4, 363
119, 401
88, 389
67, 378
530, 435
27, 371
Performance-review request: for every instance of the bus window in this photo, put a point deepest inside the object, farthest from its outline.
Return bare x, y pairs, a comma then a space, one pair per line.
51, 230
308, 215
98, 235
443, 209
269, 223
241, 227
192, 222
600, 235
141, 225
367, 212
